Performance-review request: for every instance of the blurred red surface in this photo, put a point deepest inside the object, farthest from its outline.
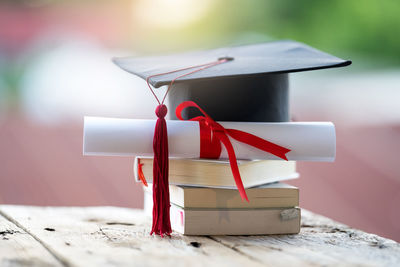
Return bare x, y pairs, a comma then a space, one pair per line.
362, 187
106, 21
43, 165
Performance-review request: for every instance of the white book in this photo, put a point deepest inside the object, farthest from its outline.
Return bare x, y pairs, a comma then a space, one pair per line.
232, 221
275, 195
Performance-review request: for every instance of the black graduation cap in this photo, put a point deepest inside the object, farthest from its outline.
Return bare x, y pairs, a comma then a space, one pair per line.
251, 86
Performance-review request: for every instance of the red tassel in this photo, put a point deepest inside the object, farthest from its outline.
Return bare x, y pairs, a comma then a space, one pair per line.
161, 205
161, 222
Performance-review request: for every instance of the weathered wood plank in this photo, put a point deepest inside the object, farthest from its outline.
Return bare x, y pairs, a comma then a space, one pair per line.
320, 242
18, 248
105, 236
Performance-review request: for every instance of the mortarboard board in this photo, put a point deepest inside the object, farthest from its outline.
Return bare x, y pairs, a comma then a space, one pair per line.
252, 86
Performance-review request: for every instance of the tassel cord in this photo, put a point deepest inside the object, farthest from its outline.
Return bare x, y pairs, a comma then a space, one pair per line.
161, 202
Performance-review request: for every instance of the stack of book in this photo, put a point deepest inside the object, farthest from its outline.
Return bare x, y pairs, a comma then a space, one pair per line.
205, 201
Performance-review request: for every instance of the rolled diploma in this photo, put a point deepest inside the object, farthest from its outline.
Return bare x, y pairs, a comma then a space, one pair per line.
308, 141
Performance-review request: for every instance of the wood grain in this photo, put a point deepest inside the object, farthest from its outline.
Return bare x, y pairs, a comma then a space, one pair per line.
107, 236
19, 248
110, 236
321, 242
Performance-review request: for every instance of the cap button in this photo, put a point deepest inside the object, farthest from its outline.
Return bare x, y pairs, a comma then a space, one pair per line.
227, 58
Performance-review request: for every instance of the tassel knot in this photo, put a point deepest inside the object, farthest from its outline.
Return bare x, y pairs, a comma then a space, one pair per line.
161, 111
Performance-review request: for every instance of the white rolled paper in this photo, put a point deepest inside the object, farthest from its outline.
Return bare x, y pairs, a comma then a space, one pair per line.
308, 141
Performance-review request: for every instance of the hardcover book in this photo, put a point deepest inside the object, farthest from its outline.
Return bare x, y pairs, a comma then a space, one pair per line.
275, 195
231, 221
217, 173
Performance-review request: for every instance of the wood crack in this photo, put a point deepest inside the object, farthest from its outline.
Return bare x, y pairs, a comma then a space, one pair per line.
104, 234
235, 249
60, 259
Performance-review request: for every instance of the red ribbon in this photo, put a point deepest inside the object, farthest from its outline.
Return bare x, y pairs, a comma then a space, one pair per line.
140, 173
212, 134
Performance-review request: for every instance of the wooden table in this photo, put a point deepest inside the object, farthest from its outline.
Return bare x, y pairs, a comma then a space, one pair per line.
111, 236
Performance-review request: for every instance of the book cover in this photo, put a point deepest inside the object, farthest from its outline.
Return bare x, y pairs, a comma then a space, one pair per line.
217, 173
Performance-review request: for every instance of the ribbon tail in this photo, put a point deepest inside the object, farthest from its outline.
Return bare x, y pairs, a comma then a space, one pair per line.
259, 143
232, 159
141, 174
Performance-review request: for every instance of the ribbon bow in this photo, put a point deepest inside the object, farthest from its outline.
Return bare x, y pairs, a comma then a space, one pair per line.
212, 134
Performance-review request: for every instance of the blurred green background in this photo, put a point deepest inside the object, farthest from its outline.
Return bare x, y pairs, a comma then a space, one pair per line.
365, 29
368, 30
